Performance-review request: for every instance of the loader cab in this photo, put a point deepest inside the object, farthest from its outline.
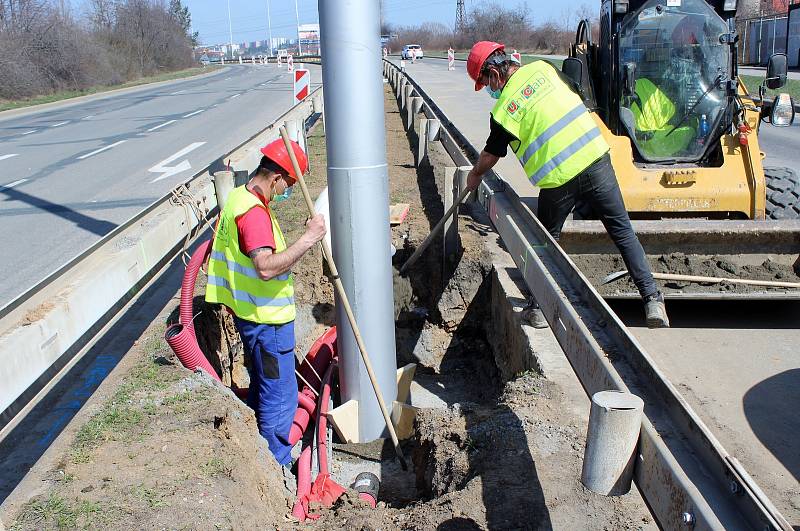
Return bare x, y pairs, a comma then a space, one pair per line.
667, 68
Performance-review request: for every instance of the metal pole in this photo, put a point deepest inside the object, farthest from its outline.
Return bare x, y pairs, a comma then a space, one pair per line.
269, 26
359, 200
297, 18
230, 27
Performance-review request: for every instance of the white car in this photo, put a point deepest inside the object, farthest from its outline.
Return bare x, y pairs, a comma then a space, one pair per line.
407, 51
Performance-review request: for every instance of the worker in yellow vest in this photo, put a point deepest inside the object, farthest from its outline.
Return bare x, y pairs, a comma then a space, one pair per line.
562, 151
249, 272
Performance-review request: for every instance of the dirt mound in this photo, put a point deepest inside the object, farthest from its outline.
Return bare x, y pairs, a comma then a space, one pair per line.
596, 267
168, 451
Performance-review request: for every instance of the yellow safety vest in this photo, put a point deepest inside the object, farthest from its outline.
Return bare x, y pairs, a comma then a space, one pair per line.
558, 138
232, 279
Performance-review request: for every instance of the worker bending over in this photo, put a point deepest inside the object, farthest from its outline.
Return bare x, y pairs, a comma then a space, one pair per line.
563, 153
249, 272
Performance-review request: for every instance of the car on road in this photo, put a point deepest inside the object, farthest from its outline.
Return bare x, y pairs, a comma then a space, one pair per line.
407, 51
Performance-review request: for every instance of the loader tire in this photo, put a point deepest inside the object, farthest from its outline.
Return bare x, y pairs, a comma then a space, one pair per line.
783, 193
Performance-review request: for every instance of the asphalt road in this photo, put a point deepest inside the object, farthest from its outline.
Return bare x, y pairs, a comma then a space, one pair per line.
737, 364
71, 174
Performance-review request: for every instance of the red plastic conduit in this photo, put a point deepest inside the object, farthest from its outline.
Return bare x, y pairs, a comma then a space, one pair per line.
181, 337
303, 484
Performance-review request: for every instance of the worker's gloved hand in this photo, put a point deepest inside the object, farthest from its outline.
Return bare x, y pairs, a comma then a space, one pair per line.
315, 228
473, 180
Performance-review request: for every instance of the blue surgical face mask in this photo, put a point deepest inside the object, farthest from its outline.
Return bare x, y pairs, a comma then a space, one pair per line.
493, 93
287, 193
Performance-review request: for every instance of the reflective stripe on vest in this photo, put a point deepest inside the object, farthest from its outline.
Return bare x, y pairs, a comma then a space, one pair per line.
243, 296
243, 269
232, 278
557, 137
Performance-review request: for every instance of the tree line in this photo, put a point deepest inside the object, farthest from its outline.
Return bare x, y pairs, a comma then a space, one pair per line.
513, 26
46, 47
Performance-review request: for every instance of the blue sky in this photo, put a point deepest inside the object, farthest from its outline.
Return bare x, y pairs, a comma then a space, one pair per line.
249, 17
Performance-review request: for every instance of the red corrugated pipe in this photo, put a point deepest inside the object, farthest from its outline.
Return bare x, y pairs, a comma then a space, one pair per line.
181, 337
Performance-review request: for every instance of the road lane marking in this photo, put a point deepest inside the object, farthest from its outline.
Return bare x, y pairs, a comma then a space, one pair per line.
59, 124
234, 96
193, 113
4, 157
169, 171
177, 92
12, 185
87, 117
227, 78
29, 132
160, 126
96, 151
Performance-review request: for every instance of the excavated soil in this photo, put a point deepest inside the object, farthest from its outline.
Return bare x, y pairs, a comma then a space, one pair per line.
597, 266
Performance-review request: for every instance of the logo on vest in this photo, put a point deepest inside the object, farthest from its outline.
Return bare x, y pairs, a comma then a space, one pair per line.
512, 107
532, 88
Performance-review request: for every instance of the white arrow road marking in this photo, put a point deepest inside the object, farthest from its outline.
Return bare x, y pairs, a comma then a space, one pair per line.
177, 92
193, 113
59, 124
160, 126
169, 171
96, 151
29, 132
234, 96
12, 185
4, 157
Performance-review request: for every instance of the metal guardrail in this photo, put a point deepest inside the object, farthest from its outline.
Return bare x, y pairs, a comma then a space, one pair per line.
683, 472
50, 325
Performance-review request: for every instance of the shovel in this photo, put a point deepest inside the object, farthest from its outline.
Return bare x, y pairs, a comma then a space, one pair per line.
707, 280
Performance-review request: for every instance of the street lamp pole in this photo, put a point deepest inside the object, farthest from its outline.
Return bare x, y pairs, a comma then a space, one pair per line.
297, 17
269, 25
230, 27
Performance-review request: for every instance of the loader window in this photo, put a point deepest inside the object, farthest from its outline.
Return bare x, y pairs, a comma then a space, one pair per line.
676, 98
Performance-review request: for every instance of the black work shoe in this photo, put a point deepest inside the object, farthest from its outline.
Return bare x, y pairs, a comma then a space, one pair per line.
656, 311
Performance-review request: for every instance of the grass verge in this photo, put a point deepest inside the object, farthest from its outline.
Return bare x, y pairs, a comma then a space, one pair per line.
59, 513
792, 87
6, 105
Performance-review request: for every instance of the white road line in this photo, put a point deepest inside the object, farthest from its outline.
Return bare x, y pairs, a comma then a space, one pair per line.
4, 157
29, 132
160, 126
226, 79
12, 185
87, 117
59, 124
96, 151
193, 113
168, 171
234, 96
177, 92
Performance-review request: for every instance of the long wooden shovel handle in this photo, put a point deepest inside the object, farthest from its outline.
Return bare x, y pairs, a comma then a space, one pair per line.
362, 348
717, 280
427, 241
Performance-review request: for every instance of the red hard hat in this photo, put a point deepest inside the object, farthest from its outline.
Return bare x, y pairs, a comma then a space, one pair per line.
477, 56
276, 152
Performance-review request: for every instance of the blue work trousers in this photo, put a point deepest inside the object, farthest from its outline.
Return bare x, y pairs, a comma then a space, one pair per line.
597, 185
273, 386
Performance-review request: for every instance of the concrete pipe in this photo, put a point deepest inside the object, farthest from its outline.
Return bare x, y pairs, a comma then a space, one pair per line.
611, 440
223, 184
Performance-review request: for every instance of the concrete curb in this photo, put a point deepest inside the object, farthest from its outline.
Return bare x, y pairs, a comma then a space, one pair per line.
44, 107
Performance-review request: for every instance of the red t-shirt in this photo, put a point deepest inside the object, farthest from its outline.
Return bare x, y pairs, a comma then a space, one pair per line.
255, 228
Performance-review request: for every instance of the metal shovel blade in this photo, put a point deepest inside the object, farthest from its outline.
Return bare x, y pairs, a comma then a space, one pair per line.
615, 276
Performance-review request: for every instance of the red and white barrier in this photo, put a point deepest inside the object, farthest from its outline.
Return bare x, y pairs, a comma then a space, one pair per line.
302, 84
451, 59
290, 63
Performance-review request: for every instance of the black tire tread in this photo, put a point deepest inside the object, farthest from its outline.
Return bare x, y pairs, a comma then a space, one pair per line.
783, 193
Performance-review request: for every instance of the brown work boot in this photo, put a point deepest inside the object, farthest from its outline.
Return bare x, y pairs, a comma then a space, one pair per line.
656, 311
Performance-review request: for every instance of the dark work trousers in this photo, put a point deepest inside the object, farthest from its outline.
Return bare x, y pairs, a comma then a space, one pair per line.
597, 185
273, 385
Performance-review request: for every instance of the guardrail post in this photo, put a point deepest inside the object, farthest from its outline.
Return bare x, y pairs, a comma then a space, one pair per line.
456, 178
408, 91
433, 129
422, 141
415, 104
